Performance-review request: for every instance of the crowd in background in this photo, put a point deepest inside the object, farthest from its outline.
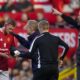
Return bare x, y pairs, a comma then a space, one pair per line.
22, 70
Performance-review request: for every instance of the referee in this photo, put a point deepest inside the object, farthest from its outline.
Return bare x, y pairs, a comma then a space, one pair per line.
44, 54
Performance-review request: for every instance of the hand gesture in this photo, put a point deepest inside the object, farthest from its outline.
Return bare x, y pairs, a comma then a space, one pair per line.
55, 11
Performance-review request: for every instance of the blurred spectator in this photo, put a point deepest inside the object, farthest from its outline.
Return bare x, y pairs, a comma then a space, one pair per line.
24, 17
23, 72
24, 6
8, 6
29, 75
25, 65
16, 74
23, 75
23, 20
6, 17
40, 16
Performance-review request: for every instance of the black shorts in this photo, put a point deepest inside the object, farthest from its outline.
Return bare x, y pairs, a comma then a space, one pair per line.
46, 74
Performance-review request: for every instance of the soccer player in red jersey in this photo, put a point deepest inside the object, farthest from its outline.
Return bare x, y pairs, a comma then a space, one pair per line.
6, 41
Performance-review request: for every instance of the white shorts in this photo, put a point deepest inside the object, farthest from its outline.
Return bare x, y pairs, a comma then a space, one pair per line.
4, 75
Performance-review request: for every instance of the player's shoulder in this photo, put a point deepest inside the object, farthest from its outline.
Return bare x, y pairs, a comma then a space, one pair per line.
54, 36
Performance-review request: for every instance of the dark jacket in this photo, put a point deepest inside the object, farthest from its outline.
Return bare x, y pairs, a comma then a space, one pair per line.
26, 43
71, 21
44, 51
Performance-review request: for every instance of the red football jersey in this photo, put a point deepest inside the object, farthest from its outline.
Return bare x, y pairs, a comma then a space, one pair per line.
6, 41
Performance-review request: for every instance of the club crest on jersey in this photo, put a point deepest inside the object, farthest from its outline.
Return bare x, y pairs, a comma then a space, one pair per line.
8, 39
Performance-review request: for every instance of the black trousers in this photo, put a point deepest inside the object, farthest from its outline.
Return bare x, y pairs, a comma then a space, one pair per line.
46, 74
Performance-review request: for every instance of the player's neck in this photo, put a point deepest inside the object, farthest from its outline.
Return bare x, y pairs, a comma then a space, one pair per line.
45, 31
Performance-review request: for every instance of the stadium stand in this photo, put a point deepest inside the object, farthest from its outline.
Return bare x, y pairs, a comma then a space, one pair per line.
43, 8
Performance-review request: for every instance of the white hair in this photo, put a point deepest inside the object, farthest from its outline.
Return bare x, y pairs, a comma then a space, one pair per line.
31, 23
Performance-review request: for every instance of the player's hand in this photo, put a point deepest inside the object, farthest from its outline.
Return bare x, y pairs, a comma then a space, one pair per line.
16, 53
55, 11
